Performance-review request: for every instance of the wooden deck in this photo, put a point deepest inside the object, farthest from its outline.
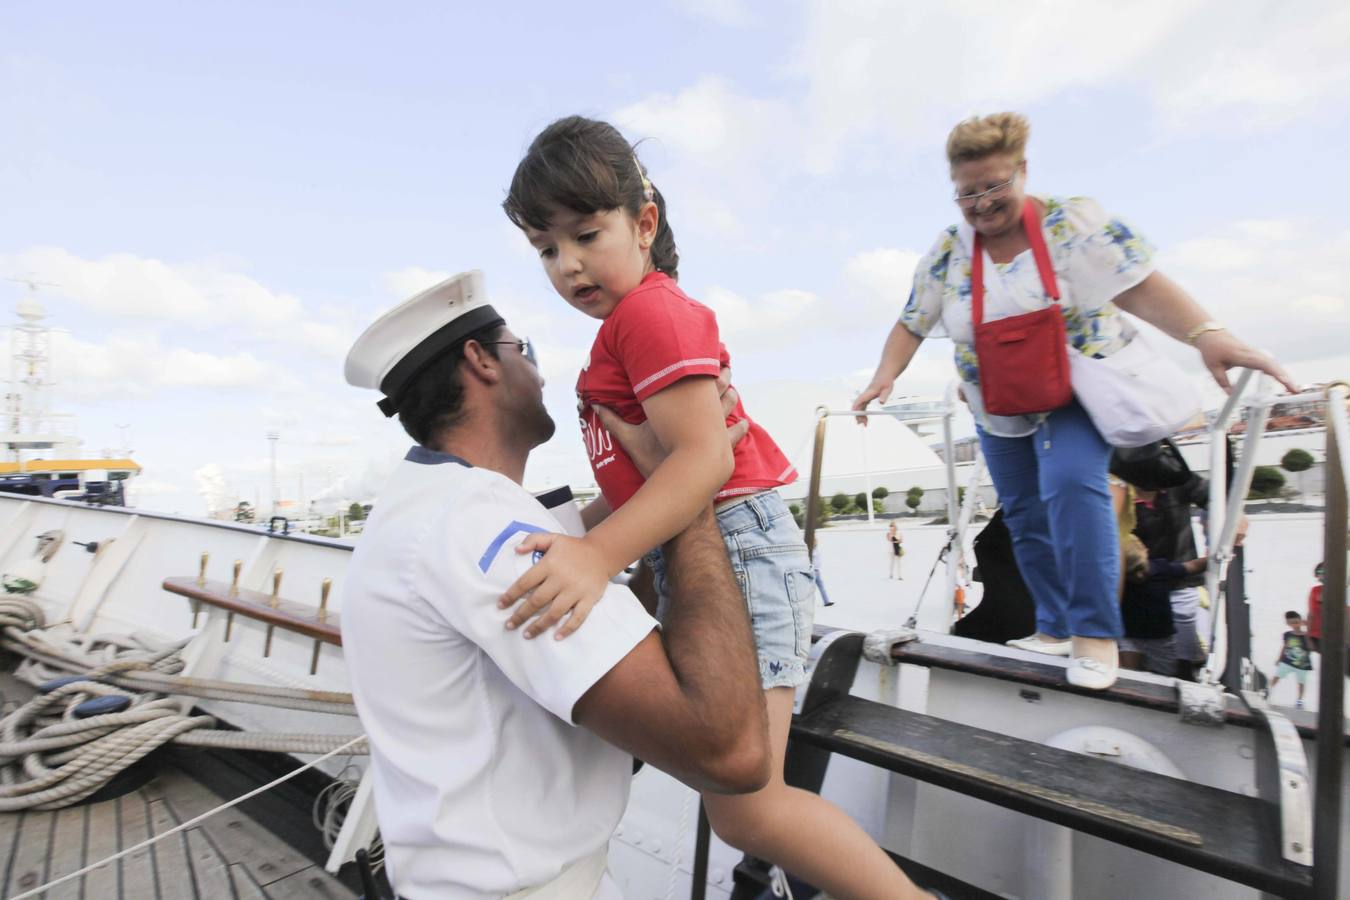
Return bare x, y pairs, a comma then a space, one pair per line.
227, 857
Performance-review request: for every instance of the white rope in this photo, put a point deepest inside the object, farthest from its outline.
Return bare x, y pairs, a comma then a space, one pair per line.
678, 850
186, 825
50, 759
331, 808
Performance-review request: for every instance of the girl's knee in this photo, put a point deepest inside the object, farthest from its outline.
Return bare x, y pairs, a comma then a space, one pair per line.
743, 822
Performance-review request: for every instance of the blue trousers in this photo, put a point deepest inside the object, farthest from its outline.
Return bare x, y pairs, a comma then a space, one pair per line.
1057, 504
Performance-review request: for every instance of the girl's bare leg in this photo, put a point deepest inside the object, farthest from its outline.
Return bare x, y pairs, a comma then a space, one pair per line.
804, 833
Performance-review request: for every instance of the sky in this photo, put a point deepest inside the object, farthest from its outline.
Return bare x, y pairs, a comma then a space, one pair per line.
224, 196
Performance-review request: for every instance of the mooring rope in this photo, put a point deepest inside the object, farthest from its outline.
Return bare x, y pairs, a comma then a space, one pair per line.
51, 757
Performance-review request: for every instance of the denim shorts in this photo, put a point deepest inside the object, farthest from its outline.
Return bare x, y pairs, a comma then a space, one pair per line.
773, 570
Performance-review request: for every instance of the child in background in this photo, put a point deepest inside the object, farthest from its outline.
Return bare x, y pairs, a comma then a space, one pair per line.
1149, 643
1315, 610
585, 203
1295, 656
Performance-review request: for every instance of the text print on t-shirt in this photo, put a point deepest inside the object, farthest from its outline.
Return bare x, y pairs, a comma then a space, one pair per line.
598, 440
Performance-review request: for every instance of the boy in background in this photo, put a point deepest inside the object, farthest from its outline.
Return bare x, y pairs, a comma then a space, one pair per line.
1295, 656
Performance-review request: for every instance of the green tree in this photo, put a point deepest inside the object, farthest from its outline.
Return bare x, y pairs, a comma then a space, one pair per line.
839, 502
913, 497
243, 512
1266, 482
1297, 460
880, 493
355, 512
860, 501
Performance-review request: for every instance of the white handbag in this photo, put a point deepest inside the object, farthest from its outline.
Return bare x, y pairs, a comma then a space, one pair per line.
1135, 396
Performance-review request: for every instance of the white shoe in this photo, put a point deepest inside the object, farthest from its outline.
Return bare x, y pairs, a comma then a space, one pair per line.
1086, 672
1036, 645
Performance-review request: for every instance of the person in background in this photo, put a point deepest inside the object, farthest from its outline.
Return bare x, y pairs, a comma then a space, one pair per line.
1315, 609
895, 551
1050, 468
1149, 643
1295, 656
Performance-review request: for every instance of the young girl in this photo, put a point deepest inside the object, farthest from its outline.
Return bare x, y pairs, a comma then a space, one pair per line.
584, 202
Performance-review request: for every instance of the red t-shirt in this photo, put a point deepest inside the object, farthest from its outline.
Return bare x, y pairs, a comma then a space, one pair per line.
656, 336
1315, 611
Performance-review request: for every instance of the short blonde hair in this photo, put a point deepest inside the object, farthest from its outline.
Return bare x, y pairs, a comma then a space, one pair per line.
980, 136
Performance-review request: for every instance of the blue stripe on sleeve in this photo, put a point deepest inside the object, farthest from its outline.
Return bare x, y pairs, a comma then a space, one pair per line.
508, 532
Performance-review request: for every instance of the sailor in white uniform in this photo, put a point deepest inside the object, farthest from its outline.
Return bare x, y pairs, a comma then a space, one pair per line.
501, 766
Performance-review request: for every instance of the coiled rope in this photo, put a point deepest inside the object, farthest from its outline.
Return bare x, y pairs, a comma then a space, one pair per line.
50, 758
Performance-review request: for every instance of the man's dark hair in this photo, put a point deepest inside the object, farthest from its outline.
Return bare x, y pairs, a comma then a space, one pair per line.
1293, 614
434, 400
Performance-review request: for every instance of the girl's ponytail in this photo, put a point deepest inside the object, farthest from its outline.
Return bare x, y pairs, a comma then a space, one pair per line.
664, 255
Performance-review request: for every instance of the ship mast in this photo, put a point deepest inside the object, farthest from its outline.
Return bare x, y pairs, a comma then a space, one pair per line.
29, 423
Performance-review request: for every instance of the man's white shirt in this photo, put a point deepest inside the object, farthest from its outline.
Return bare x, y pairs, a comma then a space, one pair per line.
483, 786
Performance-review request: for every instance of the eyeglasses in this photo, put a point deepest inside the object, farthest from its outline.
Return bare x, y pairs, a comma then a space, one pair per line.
969, 201
526, 348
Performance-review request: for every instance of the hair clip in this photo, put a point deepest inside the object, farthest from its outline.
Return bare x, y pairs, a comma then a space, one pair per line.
648, 191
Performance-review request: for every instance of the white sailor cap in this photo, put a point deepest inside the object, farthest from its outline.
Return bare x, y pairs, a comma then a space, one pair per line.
403, 342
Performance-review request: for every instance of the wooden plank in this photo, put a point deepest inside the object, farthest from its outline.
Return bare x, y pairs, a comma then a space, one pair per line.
29, 865
309, 884
240, 839
213, 873
173, 866
67, 852
1226, 834
247, 887
137, 869
301, 618
101, 842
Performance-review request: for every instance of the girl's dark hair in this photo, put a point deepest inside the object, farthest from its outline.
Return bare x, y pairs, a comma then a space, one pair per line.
586, 166
434, 401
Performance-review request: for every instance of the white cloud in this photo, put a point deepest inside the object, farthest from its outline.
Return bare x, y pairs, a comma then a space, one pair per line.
413, 280
1282, 286
906, 72
140, 365
708, 122
199, 295
732, 13
773, 319
880, 279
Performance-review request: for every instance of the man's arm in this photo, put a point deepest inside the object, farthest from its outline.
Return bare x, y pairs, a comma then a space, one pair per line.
689, 701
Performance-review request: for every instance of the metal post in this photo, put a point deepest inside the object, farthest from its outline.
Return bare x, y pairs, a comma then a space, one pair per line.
867, 477
813, 498
699, 887
1331, 699
273, 437
953, 509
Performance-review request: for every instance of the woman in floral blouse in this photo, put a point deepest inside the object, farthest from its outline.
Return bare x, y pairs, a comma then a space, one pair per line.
1049, 469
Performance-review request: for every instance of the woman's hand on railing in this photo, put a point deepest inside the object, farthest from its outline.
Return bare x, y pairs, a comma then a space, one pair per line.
1221, 351
878, 390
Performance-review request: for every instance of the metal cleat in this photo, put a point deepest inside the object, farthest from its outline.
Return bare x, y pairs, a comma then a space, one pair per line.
878, 645
1202, 702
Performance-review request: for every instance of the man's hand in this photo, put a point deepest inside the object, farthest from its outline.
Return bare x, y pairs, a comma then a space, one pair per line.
571, 577
641, 443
